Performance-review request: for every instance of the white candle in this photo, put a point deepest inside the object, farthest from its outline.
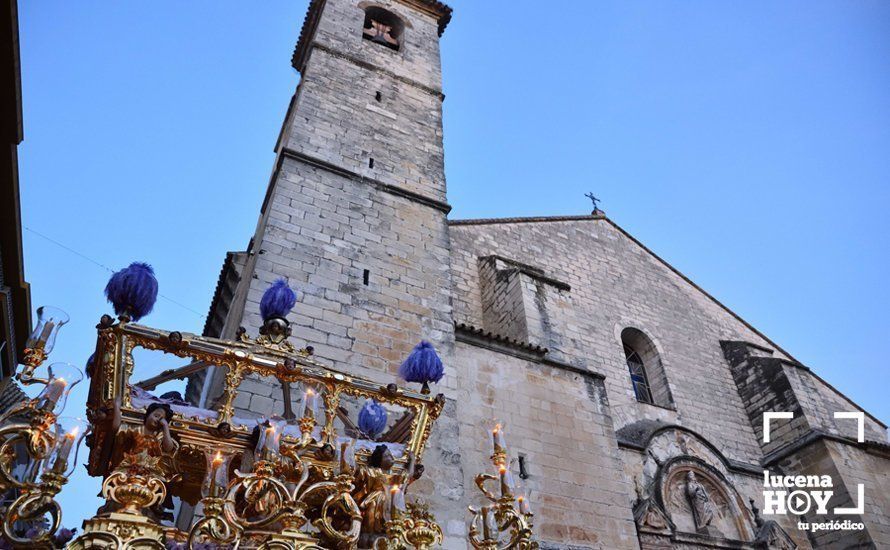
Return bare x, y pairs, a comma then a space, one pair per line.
268, 444
53, 392
523, 505
506, 481
397, 502
497, 439
45, 334
310, 403
214, 472
347, 460
64, 449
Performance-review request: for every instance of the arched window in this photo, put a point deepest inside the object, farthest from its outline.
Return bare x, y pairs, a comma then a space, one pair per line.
383, 27
646, 371
638, 375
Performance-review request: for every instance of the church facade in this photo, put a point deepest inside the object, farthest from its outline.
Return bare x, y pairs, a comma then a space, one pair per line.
633, 401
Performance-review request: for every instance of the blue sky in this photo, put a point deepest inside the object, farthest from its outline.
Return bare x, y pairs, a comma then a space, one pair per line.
746, 143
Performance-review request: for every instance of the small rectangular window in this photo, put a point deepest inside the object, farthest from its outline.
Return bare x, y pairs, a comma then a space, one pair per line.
366, 276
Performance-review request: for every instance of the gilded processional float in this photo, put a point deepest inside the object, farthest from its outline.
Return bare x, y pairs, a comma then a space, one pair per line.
310, 478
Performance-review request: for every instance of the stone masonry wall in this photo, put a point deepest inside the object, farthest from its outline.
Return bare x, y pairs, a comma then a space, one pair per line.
559, 421
332, 221
616, 284
323, 231
872, 471
338, 119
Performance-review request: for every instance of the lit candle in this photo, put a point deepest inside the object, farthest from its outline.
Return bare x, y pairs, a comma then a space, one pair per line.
523, 505
497, 439
268, 444
214, 472
53, 392
64, 449
506, 481
397, 502
310, 403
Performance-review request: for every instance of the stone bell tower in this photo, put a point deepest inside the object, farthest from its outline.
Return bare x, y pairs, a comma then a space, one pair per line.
355, 213
355, 216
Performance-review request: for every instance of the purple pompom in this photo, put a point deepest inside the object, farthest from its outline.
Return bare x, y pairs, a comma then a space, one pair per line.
372, 418
63, 536
277, 301
133, 290
422, 365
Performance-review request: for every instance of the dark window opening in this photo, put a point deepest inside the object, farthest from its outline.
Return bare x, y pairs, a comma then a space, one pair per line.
371, 162
383, 27
647, 371
638, 375
378, 96
366, 276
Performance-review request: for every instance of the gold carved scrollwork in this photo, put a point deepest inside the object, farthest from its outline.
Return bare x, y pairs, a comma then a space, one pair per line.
134, 492
33, 506
416, 528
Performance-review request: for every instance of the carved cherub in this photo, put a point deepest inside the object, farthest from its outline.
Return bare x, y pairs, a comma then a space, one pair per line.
142, 449
139, 450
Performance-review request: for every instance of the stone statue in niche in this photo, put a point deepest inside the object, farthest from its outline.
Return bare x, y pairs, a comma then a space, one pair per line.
379, 32
703, 511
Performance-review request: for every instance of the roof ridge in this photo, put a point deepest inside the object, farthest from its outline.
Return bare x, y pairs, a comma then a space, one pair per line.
529, 219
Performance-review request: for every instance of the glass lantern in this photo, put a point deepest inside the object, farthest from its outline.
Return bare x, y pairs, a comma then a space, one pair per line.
216, 482
49, 321
269, 440
309, 403
59, 378
68, 435
346, 456
397, 507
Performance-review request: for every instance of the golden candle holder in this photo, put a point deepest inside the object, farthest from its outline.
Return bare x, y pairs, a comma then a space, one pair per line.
134, 491
293, 491
41, 341
506, 514
127, 526
34, 504
214, 526
415, 528
31, 359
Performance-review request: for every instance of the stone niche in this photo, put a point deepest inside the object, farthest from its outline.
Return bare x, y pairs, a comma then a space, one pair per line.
699, 500
685, 496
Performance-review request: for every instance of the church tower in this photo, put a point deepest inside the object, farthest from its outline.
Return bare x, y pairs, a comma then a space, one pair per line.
354, 216
355, 213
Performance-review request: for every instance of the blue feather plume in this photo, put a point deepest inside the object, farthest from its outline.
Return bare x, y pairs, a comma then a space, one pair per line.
89, 366
277, 301
133, 290
372, 418
422, 365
